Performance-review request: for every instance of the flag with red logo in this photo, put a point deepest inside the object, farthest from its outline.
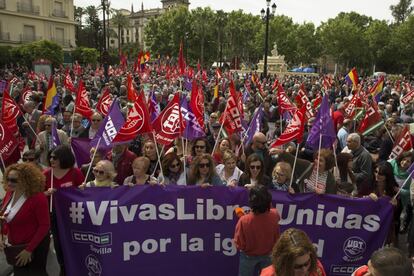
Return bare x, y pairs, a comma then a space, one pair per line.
8, 142
294, 130
104, 103
219, 75
197, 102
303, 100
283, 101
402, 144
351, 106
238, 97
10, 112
68, 83
26, 94
169, 124
231, 118
138, 121
82, 105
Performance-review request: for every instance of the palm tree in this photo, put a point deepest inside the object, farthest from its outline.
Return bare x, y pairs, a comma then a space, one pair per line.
121, 21
79, 13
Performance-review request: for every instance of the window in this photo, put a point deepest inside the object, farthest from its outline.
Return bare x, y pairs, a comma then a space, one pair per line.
28, 33
60, 35
58, 9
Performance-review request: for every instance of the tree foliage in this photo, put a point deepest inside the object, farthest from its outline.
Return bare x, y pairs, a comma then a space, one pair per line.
85, 55
401, 11
42, 49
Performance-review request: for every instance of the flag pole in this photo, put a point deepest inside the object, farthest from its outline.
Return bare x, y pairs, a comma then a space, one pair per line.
405, 182
319, 156
93, 157
2, 163
389, 133
184, 156
31, 128
73, 118
221, 129
294, 165
158, 153
51, 186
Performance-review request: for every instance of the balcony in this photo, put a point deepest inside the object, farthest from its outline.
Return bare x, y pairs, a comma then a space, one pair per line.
29, 38
5, 36
62, 42
59, 13
25, 8
2, 4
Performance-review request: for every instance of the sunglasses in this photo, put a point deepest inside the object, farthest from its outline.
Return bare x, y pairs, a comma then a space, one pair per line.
204, 165
200, 147
255, 167
176, 165
25, 159
96, 171
96, 120
301, 266
12, 180
53, 157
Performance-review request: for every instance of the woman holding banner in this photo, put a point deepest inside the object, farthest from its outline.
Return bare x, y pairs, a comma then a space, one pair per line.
105, 173
254, 173
225, 144
25, 219
203, 172
173, 170
294, 254
140, 177
228, 172
61, 174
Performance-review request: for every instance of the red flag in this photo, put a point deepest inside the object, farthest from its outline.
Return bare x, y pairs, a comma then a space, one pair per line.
181, 61
197, 102
82, 105
283, 101
8, 142
77, 69
104, 103
132, 95
68, 83
238, 97
294, 130
169, 124
351, 105
26, 94
138, 121
303, 100
403, 143
10, 111
219, 75
231, 118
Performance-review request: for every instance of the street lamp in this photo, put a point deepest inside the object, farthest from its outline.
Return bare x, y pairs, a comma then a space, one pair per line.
105, 55
266, 16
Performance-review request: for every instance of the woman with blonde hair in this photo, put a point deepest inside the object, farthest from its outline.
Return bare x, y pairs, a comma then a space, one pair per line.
105, 174
140, 177
228, 172
294, 254
281, 175
25, 218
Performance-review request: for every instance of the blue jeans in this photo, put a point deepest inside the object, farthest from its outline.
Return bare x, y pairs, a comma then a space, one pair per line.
252, 265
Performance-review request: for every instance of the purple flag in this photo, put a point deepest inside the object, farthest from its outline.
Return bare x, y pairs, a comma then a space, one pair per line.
188, 84
192, 129
3, 85
322, 128
410, 170
81, 149
112, 123
254, 126
246, 95
154, 108
55, 137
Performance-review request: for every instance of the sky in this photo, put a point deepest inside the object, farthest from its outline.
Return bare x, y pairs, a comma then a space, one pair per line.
300, 11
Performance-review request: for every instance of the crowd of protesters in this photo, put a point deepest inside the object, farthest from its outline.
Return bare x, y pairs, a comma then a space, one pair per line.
355, 166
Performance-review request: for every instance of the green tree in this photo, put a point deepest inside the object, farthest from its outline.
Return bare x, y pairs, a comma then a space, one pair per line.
85, 55
42, 49
204, 36
403, 43
401, 11
121, 21
93, 28
308, 47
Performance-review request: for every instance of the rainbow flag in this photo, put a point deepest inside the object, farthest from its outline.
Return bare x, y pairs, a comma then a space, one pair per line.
352, 78
377, 88
51, 99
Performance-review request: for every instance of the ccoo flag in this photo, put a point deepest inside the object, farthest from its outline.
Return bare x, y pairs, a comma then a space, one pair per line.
323, 128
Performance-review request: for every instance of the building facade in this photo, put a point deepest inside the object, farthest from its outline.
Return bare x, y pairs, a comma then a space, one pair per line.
24, 21
134, 33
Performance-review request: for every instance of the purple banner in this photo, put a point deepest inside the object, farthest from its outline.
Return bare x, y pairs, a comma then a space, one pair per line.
179, 230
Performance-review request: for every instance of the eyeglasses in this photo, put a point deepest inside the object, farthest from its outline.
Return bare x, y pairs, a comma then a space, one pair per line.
96, 120
47, 125
176, 165
255, 167
199, 147
280, 174
204, 165
96, 171
27, 159
301, 266
53, 157
12, 180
